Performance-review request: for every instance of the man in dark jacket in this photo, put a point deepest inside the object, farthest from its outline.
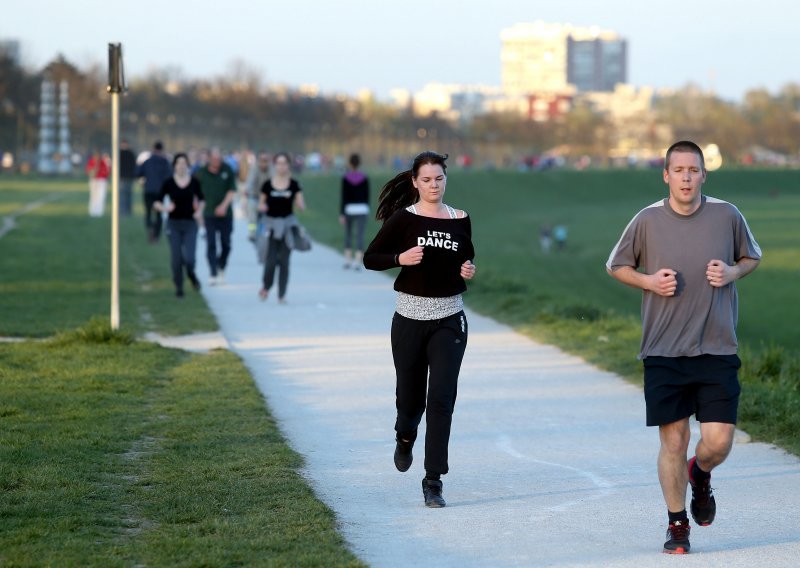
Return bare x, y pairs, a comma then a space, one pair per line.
155, 170
127, 173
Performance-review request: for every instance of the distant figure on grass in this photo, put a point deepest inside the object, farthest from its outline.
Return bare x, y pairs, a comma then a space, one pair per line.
432, 243
545, 238
560, 236
98, 169
127, 175
353, 211
256, 177
280, 194
184, 207
686, 252
218, 183
155, 170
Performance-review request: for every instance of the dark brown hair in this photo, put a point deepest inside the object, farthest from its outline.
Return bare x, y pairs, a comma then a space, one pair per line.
400, 192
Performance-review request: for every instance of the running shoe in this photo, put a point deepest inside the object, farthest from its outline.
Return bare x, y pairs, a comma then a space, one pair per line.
402, 454
704, 506
677, 538
432, 491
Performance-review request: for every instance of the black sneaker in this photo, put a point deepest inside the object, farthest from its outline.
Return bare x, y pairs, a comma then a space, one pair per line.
704, 506
402, 454
432, 491
677, 538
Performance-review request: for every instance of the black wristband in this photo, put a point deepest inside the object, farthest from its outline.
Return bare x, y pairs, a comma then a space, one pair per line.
397, 260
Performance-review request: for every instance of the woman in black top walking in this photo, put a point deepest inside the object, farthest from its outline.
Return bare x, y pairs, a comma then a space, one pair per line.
353, 212
432, 243
279, 195
186, 202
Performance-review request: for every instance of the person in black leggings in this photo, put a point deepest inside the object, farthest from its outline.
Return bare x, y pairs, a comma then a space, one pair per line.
280, 194
431, 242
353, 212
186, 202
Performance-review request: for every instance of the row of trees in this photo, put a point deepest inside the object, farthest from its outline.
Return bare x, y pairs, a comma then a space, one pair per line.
238, 111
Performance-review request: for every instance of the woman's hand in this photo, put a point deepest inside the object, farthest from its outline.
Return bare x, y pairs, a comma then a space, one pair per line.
411, 257
467, 270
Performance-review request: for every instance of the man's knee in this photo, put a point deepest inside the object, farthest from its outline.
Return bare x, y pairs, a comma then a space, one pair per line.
675, 436
717, 437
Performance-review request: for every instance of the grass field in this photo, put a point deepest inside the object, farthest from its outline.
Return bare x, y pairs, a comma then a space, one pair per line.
56, 268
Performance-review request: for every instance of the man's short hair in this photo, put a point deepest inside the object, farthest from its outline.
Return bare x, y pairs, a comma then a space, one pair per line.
684, 146
158, 145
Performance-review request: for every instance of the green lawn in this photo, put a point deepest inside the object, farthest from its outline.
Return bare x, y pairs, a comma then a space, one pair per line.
56, 271
117, 452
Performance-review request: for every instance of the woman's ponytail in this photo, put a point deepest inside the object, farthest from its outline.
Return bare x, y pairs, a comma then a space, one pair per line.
397, 193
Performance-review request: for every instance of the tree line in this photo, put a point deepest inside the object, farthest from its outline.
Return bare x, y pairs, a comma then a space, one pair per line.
238, 110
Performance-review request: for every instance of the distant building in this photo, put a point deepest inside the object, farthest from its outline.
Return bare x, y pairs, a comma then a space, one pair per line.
596, 65
452, 101
533, 59
545, 59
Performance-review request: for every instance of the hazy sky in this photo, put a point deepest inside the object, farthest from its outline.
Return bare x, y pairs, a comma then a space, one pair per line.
345, 45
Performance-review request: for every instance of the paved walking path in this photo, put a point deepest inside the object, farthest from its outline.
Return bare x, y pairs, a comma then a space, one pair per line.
551, 464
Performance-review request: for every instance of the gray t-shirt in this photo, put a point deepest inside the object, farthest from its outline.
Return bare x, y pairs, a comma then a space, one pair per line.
699, 319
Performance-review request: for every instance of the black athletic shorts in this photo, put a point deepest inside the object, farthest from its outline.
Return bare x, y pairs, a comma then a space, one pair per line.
677, 387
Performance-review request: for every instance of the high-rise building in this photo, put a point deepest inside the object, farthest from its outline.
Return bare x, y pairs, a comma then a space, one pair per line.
534, 59
547, 59
596, 65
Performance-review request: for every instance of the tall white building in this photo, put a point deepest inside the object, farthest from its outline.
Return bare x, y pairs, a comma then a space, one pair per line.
545, 59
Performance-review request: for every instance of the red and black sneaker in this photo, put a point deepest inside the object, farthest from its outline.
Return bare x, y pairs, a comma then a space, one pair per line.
677, 538
704, 506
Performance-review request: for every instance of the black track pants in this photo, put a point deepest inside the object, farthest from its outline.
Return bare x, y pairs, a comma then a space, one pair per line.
277, 256
420, 347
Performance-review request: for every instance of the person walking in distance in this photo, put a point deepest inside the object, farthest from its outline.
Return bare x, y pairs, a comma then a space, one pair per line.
155, 170
256, 177
353, 212
431, 242
184, 207
98, 170
280, 194
685, 252
127, 174
218, 183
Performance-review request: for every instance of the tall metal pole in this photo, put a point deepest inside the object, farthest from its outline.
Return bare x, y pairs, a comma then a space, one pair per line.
116, 84
115, 210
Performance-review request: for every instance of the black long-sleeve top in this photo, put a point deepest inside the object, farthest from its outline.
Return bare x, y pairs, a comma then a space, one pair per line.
447, 244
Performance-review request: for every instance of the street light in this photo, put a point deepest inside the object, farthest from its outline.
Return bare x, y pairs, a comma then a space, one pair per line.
116, 85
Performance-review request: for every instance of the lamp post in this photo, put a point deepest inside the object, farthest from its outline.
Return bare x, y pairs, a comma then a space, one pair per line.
116, 85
